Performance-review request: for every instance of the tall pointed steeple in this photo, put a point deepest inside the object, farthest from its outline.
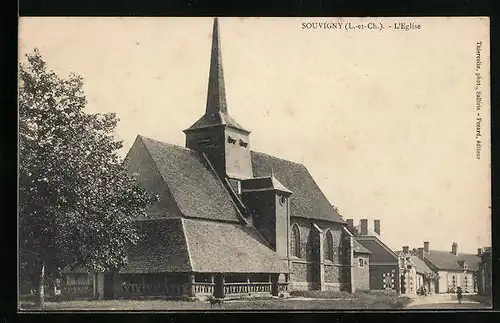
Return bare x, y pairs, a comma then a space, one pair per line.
216, 96
216, 112
216, 134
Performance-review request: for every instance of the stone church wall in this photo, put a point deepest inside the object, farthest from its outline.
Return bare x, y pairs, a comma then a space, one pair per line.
305, 271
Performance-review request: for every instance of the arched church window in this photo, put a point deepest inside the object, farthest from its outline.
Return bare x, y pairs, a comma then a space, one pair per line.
329, 246
295, 241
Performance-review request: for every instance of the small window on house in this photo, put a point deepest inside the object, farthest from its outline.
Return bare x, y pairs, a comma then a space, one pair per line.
295, 241
329, 246
282, 200
361, 262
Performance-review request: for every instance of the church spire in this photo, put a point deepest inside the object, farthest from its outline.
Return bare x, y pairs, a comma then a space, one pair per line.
216, 134
216, 112
216, 96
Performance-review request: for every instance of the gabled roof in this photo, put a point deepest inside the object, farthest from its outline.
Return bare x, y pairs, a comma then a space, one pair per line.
195, 189
445, 260
380, 253
194, 245
198, 193
358, 247
307, 200
420, 265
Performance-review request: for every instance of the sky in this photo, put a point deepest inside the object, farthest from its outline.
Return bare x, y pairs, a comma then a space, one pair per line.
384, 120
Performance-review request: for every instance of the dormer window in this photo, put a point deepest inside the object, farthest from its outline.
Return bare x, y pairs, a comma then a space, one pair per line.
243, 143
231, 140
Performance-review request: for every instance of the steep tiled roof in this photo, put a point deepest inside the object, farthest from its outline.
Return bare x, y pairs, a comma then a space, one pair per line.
380, 253
445, 260
226, 247
307, 200
162, 248
199, 194
472, 260
421, 266
193, 245
358, 247
195, 189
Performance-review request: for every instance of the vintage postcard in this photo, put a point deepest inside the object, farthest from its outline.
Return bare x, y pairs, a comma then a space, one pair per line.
172, 164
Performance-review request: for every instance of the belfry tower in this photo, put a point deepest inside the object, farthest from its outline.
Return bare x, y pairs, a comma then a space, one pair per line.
220, 137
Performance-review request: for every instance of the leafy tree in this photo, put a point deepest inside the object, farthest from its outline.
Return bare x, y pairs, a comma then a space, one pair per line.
76, 202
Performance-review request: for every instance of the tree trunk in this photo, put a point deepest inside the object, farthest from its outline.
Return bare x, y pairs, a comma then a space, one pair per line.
40, 288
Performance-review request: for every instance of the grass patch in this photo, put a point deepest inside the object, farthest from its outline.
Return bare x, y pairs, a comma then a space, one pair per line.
370, 299
321, 294
318, 301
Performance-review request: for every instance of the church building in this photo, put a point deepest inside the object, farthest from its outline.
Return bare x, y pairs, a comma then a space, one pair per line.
230, 220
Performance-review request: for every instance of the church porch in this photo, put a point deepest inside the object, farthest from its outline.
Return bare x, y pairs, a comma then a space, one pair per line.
199, 285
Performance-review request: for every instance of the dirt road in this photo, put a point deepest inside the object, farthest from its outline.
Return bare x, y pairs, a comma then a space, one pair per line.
443, 301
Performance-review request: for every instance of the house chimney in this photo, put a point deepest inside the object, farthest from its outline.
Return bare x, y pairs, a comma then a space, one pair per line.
421, 253
426, 246
454, 248
406, 249
363, 223
479, 251
376, 226
350, 223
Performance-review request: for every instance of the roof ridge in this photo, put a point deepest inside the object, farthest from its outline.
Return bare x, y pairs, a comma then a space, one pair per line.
381, 243
241, 219
324, 195
166, 143
187, 244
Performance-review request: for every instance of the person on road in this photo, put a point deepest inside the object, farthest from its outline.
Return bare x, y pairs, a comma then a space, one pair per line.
459, 294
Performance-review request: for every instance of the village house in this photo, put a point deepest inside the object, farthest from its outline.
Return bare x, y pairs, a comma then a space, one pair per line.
383, 262
451, 268
484, 280
414, 272
361, 264
231, 221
